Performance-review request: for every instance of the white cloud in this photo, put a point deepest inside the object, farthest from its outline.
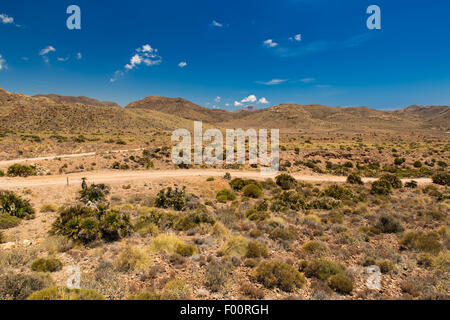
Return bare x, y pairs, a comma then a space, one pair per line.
237, 104
250, 98
2, 63
6, 19
308, 80
217, 99
182, 64
79, 56
214, 23
270, 43
263, 101
62, 59
272, 82
227, 104
47, 50
298, 37
25, 58
143, 55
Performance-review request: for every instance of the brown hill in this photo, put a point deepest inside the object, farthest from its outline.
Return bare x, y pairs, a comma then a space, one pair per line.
82, 100
430, 116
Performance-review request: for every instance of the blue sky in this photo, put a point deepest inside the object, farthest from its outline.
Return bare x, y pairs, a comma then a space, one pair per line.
236, 53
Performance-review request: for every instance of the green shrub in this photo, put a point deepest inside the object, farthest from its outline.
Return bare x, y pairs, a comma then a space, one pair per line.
338, 192
315, 247
411, 184
19, 170
353, 178
20, 286
288, 200
94, 193
7, 221
191, 220
2, 174
210, 179
285, 181
278, 274
238, 184
417, 164
169, 244
381, 187
235, 246
323, 269
146, 296
60, 293
186, 250
256, 249
414, 240
388, 224
285, 234
14, 205
393, 180
225, 195
442, 178
341, 283
176, 290
46, 265
175, 199
252, 191
385, 266
87, 224
256, 215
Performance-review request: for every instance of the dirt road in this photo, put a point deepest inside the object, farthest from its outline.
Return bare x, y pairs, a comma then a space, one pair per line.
111, 176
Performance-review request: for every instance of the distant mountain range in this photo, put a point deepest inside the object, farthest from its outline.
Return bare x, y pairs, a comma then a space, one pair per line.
65, 113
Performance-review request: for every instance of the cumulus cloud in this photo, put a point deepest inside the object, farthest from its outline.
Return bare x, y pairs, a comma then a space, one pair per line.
272, 82
237, 104
263, 101
182, 64
2, 63
217, 99
79, 56
5, 19
216, 24
62, 59
270, 43
46, 50
251, 98
143, 55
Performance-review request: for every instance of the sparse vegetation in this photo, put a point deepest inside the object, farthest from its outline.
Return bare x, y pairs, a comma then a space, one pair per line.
278, 274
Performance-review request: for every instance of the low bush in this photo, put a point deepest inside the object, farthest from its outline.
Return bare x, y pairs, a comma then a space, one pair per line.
341, 283
217, 273
238, 184
252, 191
132, 258
20, 286
61, 293
388, 224
288, 200
285, 234
191, 220
256, 215
185, 249
385, 266
285, 181
249, 290
338, 192
176, 290
46, 265
19, 170
353, 178
236, 246
168, 244
175, 199
411, 184
442, 178
322, 269
94, 193
381, 187
256, 249
278, 274
7, 221
393, 180
87, 224
315, 247
428, 242
13, 205
225, 195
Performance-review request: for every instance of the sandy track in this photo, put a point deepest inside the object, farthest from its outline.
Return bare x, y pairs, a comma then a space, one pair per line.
110, 176
63, 156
